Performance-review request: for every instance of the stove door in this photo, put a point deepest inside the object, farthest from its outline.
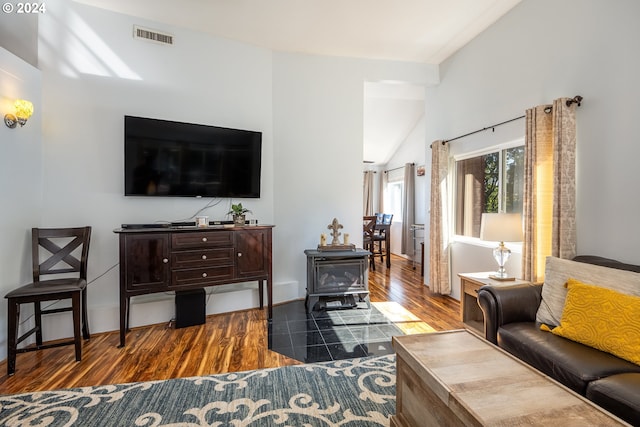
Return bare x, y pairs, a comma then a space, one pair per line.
336, 276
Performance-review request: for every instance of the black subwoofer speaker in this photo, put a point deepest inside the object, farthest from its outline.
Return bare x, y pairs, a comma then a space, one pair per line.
190, 308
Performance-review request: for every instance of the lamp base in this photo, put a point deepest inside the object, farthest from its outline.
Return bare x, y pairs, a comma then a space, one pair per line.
501, 279
501, 255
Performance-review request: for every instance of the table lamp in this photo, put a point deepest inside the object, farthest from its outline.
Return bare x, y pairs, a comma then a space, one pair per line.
501, 227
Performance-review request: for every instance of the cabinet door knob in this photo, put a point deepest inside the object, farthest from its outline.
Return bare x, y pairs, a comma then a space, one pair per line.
165, 260
204, 257
204, 239
239, 253
204, 274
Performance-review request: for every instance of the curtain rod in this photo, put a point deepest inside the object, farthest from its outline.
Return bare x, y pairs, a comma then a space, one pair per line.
483, 129
575, 100
399, 167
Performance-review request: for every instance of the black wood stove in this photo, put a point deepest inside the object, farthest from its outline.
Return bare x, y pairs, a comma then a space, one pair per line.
336, 279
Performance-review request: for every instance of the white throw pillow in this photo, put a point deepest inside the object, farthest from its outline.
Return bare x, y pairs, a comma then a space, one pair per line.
558, 271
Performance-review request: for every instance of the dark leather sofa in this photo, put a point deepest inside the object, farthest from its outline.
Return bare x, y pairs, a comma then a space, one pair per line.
510, 323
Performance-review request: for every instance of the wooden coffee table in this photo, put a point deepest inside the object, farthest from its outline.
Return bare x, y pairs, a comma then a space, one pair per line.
456, 378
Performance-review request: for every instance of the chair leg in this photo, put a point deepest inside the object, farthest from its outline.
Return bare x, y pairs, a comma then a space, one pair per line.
85, 318
387, 250
75, 303
38, 318
372, 257
12, 335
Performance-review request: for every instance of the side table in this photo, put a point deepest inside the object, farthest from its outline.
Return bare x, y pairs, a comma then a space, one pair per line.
470, 313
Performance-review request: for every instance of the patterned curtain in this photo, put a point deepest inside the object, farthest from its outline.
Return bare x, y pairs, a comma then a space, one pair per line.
439, 220
368, 193
564, 234
408, 209
549, 187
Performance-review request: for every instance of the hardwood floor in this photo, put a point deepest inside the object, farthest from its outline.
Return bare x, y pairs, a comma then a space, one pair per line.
227, 342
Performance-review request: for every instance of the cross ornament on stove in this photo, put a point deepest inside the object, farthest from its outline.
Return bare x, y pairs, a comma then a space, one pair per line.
334, 227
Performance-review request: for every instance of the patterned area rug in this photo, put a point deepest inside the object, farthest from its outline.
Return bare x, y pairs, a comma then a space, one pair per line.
349, 393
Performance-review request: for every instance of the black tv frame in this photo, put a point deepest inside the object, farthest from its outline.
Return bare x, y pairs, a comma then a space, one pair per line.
164, 158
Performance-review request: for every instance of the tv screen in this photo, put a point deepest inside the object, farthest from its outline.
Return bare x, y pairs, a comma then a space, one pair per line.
165, 158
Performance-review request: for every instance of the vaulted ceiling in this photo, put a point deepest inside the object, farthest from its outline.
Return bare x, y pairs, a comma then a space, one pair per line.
427, 31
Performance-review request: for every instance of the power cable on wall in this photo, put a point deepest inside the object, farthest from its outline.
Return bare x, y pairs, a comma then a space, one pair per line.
211, 203
57, 301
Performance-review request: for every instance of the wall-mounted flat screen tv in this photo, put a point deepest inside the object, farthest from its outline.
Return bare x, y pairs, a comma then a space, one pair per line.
166, 158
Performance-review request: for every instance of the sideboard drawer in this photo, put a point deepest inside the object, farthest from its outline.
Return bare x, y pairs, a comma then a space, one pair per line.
202, 258
201, 239
201, 276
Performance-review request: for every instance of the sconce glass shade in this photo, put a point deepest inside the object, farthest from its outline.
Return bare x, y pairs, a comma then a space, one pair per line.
501, 227
24, 110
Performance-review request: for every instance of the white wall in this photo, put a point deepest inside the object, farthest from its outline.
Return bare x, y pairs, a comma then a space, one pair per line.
318, 116
20, 178
19, 35
539, 51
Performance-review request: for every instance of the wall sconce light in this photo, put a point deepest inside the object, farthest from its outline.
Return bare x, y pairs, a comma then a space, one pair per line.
24, 110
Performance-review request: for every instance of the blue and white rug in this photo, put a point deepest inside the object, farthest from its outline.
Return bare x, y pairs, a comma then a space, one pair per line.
345, 393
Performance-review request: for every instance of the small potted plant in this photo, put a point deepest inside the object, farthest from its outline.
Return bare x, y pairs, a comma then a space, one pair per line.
238, 211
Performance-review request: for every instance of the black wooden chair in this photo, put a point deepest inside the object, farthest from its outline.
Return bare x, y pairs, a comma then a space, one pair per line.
368, 229
61, 252
380, 236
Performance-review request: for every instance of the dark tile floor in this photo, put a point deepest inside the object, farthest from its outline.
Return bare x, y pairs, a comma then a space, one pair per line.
330, 335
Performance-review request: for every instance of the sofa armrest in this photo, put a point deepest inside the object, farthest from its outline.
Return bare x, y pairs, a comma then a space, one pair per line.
507, 304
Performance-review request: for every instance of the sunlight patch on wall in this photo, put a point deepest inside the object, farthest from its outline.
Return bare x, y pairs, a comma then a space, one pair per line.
69, 44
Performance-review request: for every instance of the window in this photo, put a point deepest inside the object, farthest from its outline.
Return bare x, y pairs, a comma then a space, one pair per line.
489, 182
393, 194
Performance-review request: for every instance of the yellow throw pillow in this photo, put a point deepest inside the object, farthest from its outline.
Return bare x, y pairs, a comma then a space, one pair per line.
603, 319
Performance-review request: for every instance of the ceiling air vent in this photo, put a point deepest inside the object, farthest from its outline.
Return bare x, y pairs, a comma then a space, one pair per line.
151, 35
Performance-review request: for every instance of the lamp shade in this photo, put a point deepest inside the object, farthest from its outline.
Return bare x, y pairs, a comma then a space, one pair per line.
24, 109
501, 227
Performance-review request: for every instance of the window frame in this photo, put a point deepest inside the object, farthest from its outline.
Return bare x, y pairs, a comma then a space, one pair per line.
519, 142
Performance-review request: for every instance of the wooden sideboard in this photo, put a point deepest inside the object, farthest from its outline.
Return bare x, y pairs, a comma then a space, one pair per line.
165, 259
